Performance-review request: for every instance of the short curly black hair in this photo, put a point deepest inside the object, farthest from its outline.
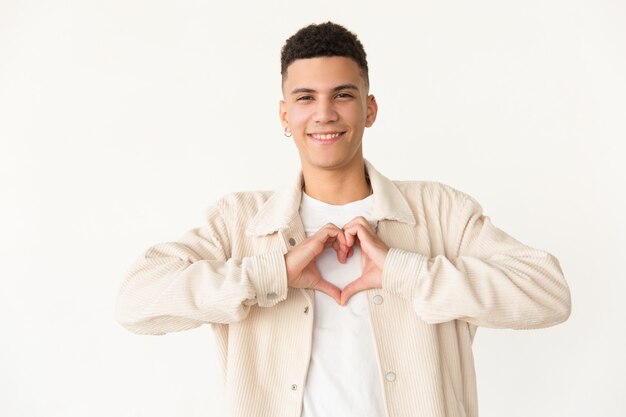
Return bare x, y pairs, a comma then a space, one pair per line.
324, 39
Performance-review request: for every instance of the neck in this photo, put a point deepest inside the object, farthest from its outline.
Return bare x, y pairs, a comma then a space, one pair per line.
337, 186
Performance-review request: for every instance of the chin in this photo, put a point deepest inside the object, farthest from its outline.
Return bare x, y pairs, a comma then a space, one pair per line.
327, 162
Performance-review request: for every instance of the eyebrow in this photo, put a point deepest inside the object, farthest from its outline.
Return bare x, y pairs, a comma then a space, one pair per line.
338, 88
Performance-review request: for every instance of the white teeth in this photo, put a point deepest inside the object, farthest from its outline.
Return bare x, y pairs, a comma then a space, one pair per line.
327, 136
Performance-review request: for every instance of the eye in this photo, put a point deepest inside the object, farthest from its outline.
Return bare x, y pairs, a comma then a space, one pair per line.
344, 95
304, 98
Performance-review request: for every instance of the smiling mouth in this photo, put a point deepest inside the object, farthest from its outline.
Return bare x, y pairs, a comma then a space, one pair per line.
328, 137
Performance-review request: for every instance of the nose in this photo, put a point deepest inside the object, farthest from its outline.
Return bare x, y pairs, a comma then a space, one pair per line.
325, 112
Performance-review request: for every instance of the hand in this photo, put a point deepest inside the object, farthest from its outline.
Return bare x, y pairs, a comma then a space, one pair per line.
373, 255
302, 271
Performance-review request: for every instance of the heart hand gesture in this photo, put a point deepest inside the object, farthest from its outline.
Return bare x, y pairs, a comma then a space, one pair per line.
300, 261
373, 255
302, 271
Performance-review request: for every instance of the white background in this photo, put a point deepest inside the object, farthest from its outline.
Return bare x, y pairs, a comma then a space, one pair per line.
121, 121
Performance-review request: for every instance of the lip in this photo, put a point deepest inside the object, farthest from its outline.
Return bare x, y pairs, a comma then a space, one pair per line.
334, 137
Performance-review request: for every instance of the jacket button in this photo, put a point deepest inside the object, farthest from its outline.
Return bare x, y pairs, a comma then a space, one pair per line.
378, 299
292, 241
306, 310
390, 376
294, 387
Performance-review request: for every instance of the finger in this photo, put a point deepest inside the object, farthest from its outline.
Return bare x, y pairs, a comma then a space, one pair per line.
333, 234
350, 235
352, 288
340, 247
330, 242
326, 231
341, 251
357, 232
371, 245
366, 236
343, 246
359, 220
328, 289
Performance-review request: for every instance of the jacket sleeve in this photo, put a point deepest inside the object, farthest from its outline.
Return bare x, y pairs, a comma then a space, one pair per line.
492, 280
180, 285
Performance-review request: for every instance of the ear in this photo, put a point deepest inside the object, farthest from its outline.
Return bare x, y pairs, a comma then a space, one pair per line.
282, 113
372, 110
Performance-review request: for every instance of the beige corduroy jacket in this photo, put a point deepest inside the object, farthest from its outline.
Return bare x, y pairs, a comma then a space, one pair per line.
448, 271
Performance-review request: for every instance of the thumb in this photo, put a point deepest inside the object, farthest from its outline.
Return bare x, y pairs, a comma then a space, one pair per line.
324, 286
329, 289
352, 288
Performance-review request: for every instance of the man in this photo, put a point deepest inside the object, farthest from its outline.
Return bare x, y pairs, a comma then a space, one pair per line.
346, 293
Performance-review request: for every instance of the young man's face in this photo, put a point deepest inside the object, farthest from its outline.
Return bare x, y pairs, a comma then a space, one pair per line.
326, 107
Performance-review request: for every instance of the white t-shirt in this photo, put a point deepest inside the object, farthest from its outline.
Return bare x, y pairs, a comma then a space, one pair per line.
343, 377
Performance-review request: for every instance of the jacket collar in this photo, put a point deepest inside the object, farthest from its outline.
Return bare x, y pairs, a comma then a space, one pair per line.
284, 204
